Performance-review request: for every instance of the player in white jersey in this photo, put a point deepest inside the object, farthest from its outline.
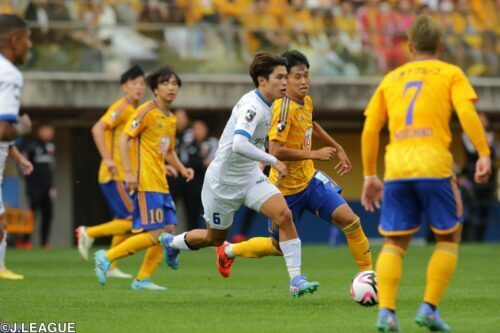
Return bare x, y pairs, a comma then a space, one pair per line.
234, 177
15, 43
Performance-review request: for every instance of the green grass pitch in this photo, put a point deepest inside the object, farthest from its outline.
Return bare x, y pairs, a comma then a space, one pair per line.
60, 287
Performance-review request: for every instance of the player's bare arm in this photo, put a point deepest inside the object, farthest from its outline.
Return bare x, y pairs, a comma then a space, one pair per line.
98, 133
173, 160
344, 165
26, 165
130, 175
283, 153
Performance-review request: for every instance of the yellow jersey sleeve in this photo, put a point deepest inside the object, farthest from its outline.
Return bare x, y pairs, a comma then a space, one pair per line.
137, 124
116, 114
461, 89
280, 122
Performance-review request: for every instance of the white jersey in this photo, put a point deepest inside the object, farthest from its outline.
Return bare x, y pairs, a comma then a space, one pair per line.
250, 117
11, 83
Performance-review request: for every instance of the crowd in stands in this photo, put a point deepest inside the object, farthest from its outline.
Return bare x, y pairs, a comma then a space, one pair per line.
345, 38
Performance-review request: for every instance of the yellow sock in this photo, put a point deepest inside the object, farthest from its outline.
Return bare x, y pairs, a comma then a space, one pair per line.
131, 245
389, 269
114, 242
359, 245
441, 267
111, 228
153, 257
256, 247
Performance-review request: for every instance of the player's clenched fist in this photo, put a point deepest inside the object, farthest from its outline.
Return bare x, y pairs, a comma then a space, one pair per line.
325, 153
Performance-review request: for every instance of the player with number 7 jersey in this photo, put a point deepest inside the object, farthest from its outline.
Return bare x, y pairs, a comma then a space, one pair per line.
417, 100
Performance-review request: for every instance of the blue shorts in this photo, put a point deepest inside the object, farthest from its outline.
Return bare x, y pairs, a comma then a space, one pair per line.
118, 199
406, 200
321, 197
153, 211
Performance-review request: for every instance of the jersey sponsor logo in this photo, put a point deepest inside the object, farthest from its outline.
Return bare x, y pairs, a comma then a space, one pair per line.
262, 180
164, 144
308, 138
135, 124
250, 115
259, 141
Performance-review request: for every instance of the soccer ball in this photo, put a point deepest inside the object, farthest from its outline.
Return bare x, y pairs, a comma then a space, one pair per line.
363, 288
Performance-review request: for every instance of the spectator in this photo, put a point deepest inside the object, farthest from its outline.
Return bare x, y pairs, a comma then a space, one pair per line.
183, 134
263, 28
478, 198
39, 184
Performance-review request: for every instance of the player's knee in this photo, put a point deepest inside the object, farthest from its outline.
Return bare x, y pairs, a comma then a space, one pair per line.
399, 241
453, 237
343, 216
283, 216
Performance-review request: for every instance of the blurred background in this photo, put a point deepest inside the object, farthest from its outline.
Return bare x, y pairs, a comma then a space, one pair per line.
81, 47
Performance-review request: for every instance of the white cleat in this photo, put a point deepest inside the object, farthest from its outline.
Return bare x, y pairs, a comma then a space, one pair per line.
146, 284
117, 273
84, 242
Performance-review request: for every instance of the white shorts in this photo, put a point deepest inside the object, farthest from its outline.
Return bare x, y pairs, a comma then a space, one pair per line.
221, 201
4, 152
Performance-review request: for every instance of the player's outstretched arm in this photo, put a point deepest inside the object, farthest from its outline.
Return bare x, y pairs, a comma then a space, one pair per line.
98, 133
26, 165
344, 165
173, 160
283, 153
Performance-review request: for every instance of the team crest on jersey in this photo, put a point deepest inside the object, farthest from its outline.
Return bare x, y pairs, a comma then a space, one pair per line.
114, 115
281, 126
250, 115
135, 123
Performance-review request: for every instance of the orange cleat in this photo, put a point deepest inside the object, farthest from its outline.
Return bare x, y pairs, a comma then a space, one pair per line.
223, 262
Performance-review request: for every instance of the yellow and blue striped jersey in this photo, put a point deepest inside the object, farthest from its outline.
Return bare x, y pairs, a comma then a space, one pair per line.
292, 124
417, 100
154, 134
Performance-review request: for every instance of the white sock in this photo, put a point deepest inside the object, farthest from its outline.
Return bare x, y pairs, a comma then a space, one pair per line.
228, 250
3, 249
179, 243
292, 252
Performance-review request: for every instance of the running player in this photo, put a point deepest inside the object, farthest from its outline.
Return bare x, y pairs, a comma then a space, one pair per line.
15, 42
106, 132
152, 132
234, 177
417, 100
304, 187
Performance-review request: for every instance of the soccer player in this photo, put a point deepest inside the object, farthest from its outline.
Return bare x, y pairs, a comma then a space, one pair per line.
106, 132
15, 42
304, 187
417, 100
234, 177
152, 131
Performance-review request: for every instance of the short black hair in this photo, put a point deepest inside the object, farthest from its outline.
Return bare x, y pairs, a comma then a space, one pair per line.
9, 23
263, 64
131, 74
161, 75
295, 58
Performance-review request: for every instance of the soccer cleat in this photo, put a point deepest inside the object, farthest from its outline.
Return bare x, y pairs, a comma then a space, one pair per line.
117, 273
101, 266
431, 319
10, 275
84, 242
387, 321
300, 286
171, 254
146, 284
224, 263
